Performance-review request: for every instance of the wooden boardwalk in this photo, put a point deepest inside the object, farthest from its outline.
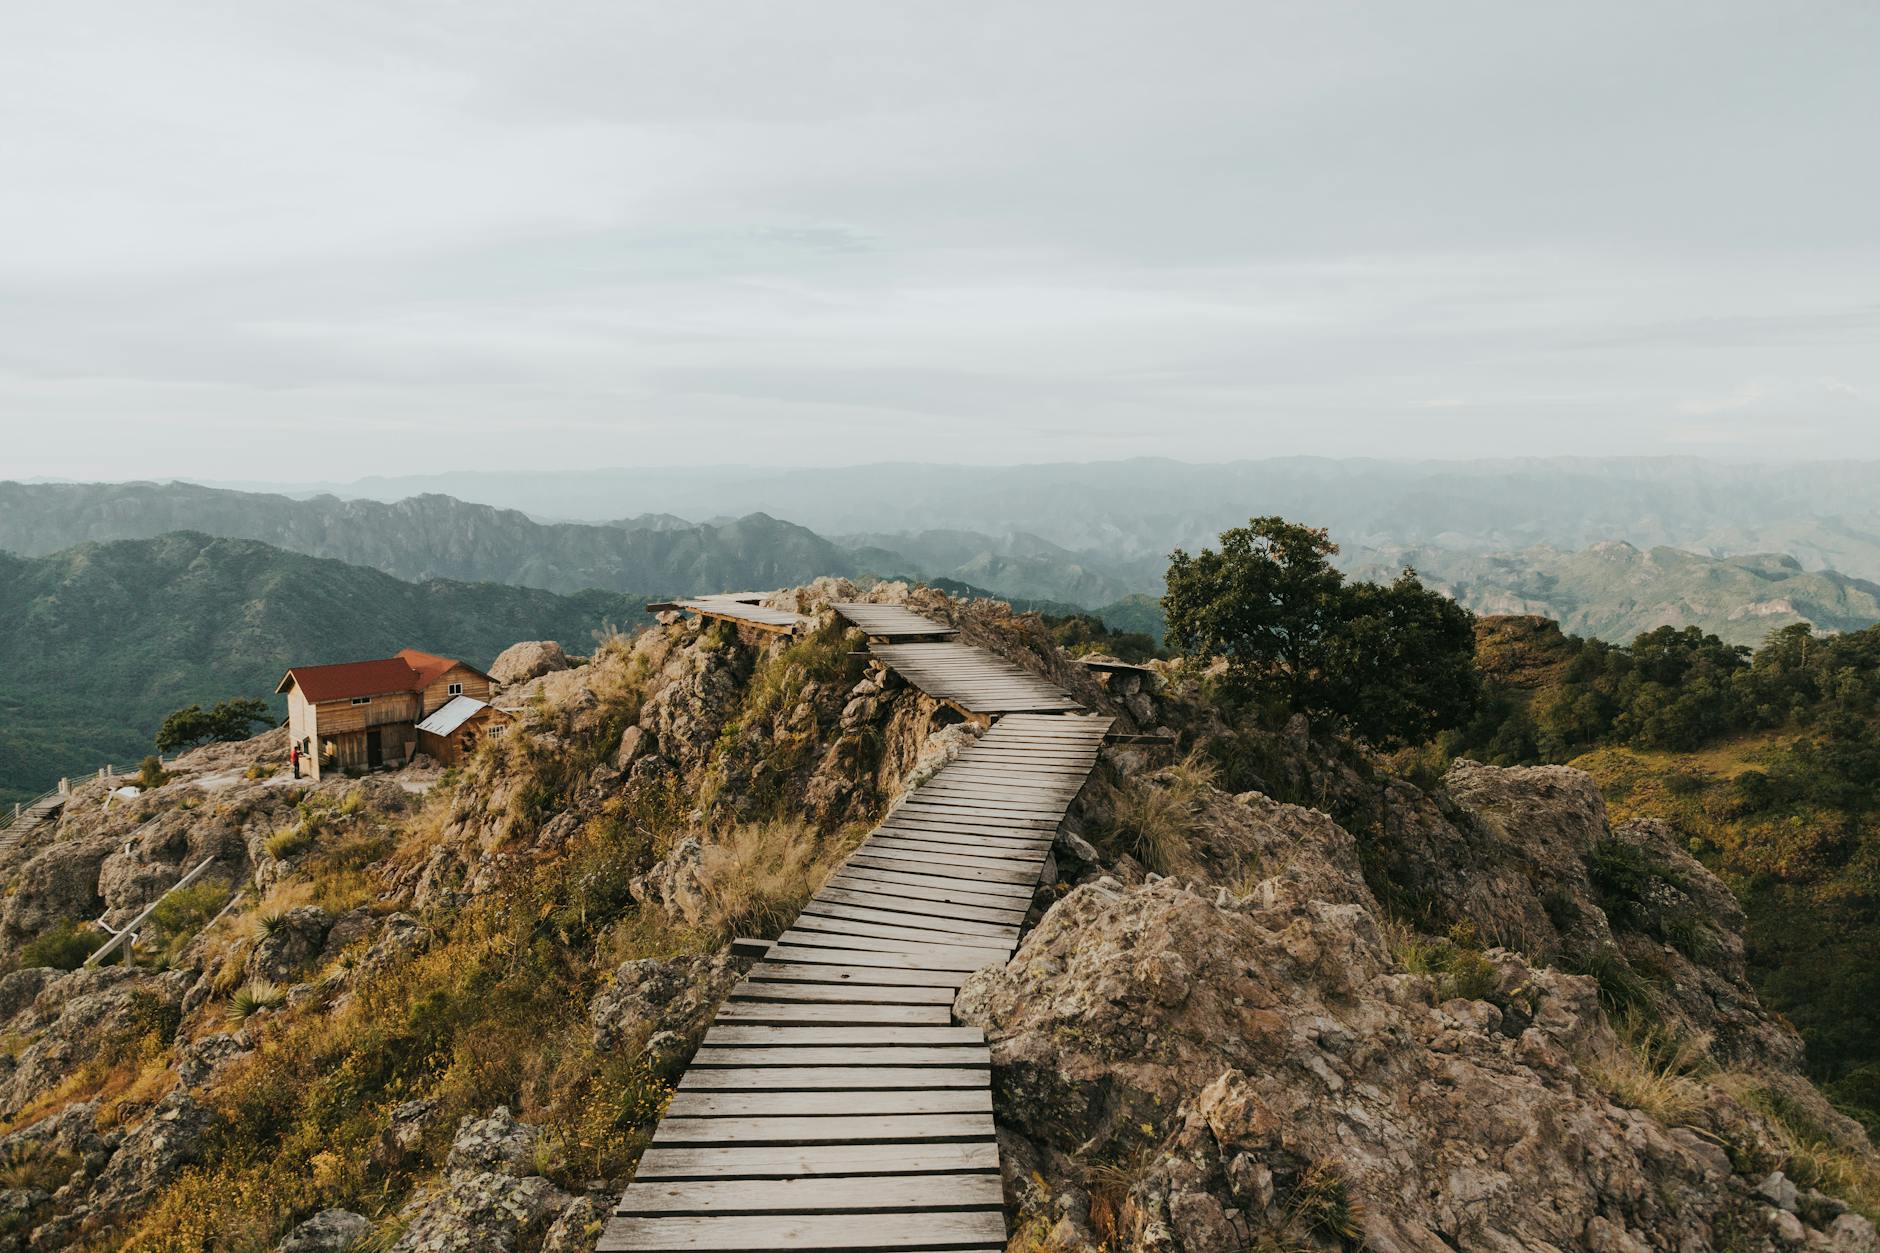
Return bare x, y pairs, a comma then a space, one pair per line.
976, 681
741, 608
833, 1105
893, 623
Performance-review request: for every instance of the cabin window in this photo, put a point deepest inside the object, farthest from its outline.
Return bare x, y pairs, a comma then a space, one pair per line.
455, 689
496, 732
362, 700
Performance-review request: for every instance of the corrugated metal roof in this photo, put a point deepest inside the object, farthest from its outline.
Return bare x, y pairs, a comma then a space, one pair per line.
452, 714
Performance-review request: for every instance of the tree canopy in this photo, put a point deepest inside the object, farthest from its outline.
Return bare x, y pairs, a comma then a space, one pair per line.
227, 720
1394, 663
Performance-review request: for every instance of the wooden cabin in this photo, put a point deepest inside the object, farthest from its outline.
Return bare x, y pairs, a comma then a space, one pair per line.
453, 732
360, 715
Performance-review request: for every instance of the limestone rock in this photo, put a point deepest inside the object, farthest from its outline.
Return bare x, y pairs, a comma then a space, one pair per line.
674, 883
528, 660
291, 944
648, 996
329, 1231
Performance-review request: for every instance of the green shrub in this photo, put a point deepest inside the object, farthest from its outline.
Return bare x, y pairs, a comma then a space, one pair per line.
63, 947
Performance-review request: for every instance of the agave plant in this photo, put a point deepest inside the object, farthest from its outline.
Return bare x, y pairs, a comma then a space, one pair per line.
252, 997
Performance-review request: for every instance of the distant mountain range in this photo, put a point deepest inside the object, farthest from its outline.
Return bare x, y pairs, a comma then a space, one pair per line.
109, 617
1110, 514
99, 642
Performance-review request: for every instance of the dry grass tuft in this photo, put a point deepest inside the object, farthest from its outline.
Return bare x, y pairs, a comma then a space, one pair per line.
1154, 818
758, 878
1653, 1068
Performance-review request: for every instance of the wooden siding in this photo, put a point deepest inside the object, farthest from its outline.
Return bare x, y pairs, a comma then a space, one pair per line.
475, 686
335, 717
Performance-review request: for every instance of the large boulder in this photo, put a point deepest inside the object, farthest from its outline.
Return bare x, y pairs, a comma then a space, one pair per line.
650, 996
329, 1231
530, 659
485, 1200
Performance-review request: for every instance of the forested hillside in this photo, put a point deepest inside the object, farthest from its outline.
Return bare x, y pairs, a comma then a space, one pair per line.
99, 642
1766, 765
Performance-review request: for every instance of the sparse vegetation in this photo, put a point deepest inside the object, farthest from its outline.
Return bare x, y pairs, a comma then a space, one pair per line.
62, 947
1154, 817
253, 997
1652, 1067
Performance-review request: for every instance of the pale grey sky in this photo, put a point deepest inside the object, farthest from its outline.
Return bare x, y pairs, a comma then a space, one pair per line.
287, 241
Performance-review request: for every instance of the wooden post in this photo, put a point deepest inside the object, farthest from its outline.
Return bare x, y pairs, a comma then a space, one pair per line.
65, 787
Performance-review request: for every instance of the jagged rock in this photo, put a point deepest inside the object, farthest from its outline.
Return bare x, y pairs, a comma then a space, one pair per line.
480, 1210
151, 1155
400, 935
350, 928
1779, 1191
577, 1228
1227, 1042
201, 1060
634, 743
698, 690
403, 1138
20, 988
329, 1231
497, 1142
1851, 1233
649, 995
291, 944
76, 1015
528, 660
482, 1202
674, 883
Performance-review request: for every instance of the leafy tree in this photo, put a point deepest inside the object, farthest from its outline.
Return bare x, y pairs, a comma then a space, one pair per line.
227, 720
1394, 663
1263, 602
1400, 661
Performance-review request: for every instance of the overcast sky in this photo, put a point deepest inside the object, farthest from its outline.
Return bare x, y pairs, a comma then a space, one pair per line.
317, 241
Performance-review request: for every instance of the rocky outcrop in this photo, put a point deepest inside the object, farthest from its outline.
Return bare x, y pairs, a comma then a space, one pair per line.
649, 997
485, 1199
1267, 1072
530, 659
329, 1231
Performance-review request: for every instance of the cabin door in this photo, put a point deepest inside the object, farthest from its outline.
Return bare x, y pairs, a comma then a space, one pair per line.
375, 749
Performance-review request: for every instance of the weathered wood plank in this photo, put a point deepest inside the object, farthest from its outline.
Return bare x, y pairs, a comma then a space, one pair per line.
776, 1013
844, 1078
840, 993
950, 1056
812, 1195
951, 867
842, 974
818, 1160
984, 950
966, 1230
732, 1036
820, 1102
904, 900
830, 1129
886, 910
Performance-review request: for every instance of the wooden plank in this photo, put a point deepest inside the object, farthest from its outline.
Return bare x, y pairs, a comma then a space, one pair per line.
913, 901
813, 1195
954, 867
964, 1230
936, 886
841, 993
949, 1056
986, 952
835, 1159
934, 961
986, 852
846, 1078
820, 1102
940, 919
833, 1129
824, 971
779, 1013
792, 1037
826, 932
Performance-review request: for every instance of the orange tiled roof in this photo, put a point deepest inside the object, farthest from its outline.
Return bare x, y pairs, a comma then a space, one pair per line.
409, 671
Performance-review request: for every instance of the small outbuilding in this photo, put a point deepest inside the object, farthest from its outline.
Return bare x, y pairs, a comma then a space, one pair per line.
454, 731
